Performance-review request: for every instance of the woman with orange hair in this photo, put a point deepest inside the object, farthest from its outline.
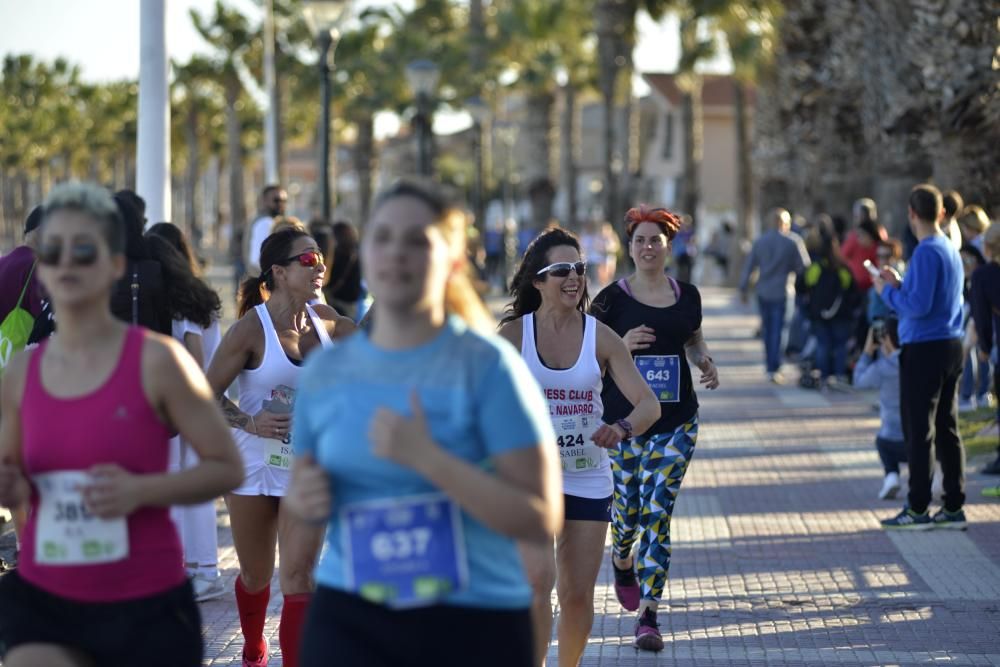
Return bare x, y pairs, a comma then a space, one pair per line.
660, 320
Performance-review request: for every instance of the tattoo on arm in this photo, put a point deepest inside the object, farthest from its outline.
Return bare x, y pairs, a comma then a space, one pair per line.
234, 416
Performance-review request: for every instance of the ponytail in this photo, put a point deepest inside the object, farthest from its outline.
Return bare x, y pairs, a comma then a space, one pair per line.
461, 298
251, 294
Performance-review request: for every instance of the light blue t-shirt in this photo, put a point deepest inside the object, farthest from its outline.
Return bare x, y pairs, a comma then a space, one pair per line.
480, 400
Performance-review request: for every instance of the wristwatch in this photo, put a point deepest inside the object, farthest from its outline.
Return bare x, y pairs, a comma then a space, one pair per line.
626, 426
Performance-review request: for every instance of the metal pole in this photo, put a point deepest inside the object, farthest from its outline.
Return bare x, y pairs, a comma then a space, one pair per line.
479, 204
271, 157
423, 136
326, 42
153, 141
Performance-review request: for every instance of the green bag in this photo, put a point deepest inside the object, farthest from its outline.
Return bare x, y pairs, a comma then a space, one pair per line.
16, 327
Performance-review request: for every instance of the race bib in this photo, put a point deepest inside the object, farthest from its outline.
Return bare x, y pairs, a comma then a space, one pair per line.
663, 375
577, 452
66, 533
277, 454
404, 552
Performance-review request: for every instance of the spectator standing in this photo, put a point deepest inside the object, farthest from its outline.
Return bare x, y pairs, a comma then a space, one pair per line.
929, 304
273, 200
881, 371
777, 256
953, 205
973, 223
19, 289
974, 387
985, 296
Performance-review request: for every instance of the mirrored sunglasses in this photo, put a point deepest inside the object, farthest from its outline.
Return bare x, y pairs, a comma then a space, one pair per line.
306, 259
80, 254
562, 269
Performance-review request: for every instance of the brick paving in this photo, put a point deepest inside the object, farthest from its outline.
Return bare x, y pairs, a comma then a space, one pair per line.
778, 557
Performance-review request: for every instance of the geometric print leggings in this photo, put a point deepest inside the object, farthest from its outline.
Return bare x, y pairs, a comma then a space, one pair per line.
648, 472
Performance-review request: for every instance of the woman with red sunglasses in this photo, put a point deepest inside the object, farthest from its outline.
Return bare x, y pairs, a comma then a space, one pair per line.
84, 439
569, 353
265, 350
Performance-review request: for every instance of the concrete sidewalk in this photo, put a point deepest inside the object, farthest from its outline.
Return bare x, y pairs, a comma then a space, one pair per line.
778, 556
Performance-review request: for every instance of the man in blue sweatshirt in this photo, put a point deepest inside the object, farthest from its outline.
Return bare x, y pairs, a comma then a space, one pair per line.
929, 305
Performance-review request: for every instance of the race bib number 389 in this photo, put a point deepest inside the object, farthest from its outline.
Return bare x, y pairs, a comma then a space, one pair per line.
663, 375
404, 552
66, 533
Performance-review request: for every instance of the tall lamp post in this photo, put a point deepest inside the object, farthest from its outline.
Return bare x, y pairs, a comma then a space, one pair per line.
324, 18
506, 132
480, 113
423, 75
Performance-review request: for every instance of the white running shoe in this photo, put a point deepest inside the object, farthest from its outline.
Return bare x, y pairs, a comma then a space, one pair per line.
890, 486
207, 587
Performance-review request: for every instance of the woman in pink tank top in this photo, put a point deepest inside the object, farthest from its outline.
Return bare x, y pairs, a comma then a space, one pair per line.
86, 419
265, 350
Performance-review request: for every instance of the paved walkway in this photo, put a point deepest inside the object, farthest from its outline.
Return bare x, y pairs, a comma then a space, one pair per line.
778, 558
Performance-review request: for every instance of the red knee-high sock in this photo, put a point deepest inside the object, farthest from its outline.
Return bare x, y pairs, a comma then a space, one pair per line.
253, 614
293, 617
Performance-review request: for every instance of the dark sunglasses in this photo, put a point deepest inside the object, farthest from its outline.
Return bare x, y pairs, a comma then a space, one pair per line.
80, 254
307, 259
562, 269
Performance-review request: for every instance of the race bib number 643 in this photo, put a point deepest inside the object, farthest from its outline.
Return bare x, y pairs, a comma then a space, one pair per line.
663, 375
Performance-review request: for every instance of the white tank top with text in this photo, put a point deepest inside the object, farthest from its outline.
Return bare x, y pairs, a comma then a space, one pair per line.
574, 398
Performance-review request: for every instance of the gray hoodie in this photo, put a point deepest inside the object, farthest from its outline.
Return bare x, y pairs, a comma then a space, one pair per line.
882, 374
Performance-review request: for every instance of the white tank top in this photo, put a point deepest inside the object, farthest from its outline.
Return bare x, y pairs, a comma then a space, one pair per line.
275, 371
574, 398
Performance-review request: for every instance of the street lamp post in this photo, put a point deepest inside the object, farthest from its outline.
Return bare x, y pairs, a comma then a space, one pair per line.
422, 75
506, 132
324, 18
480, 115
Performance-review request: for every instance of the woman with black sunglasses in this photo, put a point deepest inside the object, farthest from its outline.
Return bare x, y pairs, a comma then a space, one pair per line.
265, 350
569, 352
660, 321
86, 421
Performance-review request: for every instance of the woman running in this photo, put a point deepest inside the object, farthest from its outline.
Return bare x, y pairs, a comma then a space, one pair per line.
569, 353
195, 309
425, 442
86, 421
265, 350
660, 320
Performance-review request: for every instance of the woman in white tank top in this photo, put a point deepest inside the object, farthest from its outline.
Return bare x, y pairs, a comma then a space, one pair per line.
568, 352
265, 350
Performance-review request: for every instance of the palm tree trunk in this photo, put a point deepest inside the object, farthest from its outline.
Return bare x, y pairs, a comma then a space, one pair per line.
691, 120
610, 30
364, 162
234, 155
568, 135
538, 128
191, 176
744, 178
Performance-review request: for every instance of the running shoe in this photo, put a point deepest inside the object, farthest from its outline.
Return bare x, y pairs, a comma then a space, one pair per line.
259, 662
890, 486
626, 586
950, 520
647, 632
909, 520
207, 587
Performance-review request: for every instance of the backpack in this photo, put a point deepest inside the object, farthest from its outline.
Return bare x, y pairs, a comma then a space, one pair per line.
828, 298
16, 327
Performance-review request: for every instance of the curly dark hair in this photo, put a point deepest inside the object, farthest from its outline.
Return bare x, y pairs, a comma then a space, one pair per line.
173, 234
527, 298
188, 297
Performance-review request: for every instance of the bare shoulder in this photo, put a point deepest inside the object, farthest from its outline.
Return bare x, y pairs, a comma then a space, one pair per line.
245, 332
337, 325
609, 342
161, 354
511, 332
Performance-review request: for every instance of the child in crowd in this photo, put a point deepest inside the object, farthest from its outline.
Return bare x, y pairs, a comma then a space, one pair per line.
882, 373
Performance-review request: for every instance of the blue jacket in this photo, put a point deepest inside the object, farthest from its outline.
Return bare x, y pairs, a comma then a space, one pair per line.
929, 302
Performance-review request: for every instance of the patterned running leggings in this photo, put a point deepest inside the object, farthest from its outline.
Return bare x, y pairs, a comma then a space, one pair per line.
648, 472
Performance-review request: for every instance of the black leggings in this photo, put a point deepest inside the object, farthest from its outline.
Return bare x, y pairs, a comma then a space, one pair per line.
347, 631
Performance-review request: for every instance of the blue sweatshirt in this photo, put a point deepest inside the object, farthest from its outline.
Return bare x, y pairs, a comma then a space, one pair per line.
929, 302
882, 374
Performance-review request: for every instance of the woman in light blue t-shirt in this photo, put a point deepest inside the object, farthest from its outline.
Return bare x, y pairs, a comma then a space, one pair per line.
426, 445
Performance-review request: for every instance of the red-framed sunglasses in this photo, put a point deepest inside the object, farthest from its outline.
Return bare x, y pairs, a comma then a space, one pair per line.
307, 259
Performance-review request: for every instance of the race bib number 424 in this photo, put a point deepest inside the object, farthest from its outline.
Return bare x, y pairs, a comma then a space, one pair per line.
66, 533
663, 375
577, 452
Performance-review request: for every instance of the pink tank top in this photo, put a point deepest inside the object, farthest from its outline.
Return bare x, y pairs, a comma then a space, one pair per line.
113, 424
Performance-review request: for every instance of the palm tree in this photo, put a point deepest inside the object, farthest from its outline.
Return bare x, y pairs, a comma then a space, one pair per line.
233, 38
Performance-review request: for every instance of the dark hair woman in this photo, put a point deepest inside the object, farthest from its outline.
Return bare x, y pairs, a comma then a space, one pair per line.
344, 288
659, 319
398, 424
139, 296
195, 308
179, 241
569, 353
87, 417
265, 349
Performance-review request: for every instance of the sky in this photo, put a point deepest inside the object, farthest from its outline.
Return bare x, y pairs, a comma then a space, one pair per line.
102, 36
